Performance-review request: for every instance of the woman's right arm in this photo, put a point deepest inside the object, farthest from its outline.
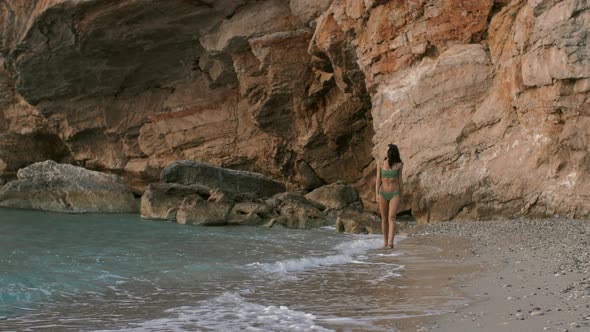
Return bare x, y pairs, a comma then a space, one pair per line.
377, 183
400, 179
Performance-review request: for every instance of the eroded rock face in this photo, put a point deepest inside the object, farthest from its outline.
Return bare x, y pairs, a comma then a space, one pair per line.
487, 99
130, 87
24, 134
56, 187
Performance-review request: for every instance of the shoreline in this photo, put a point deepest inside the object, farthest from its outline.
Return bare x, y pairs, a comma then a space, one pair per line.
435, 266
534, 275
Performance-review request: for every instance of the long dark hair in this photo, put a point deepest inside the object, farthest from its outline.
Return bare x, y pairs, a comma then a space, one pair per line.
393, 155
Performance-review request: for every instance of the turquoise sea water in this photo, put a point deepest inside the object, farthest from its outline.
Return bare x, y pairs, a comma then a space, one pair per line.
64, 272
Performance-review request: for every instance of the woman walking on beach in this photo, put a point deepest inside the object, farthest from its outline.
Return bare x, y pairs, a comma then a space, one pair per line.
388, 191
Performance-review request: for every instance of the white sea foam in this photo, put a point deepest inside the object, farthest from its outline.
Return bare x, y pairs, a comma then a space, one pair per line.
393, 254
229, 312
348, 252
389, 274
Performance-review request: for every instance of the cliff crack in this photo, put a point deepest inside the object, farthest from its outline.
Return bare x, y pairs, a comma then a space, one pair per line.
237, 9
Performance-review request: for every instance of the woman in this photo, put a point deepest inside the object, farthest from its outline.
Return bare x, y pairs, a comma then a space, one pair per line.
388, 191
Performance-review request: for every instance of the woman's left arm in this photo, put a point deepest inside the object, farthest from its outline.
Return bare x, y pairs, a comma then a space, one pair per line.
377, 182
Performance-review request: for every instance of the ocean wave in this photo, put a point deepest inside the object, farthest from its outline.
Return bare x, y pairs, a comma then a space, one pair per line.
229, 312
348, 252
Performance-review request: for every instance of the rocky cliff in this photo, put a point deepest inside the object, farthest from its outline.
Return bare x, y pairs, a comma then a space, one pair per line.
130, 86
487, 99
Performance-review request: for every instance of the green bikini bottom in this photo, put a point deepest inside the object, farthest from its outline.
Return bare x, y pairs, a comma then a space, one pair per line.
389, 195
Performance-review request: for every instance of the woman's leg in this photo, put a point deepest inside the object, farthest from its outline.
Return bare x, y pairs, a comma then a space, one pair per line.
393, 206
383, 208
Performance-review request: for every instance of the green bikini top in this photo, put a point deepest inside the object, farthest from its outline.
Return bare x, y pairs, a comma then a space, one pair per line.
389, 174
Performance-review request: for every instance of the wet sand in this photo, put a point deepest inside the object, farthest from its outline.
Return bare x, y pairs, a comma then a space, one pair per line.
535, 276
389, 291
434, 267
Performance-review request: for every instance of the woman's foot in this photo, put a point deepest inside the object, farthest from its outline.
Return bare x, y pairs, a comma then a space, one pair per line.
390, 245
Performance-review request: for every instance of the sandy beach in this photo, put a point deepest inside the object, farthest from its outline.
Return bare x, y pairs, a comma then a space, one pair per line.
533, 275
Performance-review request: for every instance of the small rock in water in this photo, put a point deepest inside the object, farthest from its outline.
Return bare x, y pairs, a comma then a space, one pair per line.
536, 313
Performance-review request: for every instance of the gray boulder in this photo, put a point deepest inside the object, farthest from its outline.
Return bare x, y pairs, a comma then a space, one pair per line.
250, 213
161, 201
297, 212
351, 221
188, 172
50, 186
200, 205
335, 196
195, 210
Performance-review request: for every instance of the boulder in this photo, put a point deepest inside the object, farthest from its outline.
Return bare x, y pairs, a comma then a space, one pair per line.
297, 212
162, 200
50, 186
195, 210
355, 222
188, 172
201, 205
250, 213
335, 196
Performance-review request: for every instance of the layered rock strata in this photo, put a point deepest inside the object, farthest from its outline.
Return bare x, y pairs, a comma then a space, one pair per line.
487, 100
49, 186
